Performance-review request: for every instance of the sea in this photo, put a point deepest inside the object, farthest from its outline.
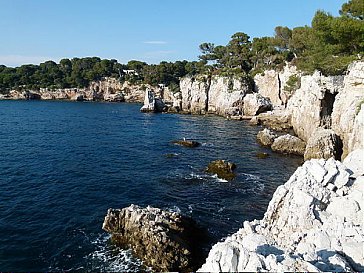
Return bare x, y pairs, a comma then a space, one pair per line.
63, 164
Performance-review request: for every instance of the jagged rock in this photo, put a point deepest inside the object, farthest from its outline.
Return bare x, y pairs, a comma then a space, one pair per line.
187, 143
165, 241
266, 137
311, 105
194, 92
151, 103
271, 84
216, 94
289, 144
117, 97
223, 169
323, 143
309, 225
348, 110
277, 120
255, 104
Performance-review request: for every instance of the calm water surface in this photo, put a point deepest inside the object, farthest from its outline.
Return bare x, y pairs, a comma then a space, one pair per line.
63, 164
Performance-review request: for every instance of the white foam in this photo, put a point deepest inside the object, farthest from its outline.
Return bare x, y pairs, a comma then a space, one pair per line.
110, 258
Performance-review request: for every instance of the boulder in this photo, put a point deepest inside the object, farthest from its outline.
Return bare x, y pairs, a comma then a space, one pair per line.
323, 143
223, 169
165, 241
78, 97
289, 144
266, 137
187, 143
313, 223
355, 161
255, 104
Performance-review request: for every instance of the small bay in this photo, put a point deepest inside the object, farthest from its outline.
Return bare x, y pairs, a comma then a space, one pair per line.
63, 164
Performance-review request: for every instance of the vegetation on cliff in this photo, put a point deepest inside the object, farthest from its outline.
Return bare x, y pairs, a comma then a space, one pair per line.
329, 45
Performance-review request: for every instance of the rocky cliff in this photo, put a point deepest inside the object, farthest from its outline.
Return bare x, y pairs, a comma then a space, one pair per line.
219, 95
107, 89
313, 223
272, 84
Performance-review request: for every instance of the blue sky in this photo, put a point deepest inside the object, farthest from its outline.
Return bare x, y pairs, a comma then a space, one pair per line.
33, 31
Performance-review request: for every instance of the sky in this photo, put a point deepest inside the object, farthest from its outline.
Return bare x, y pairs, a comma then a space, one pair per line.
33, 31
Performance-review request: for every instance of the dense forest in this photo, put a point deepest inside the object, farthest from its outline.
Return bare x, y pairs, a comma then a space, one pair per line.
328, 45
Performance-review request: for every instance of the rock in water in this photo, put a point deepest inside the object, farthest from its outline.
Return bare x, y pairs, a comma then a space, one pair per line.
165, 241
266, 137
323, 143
223, 169
187, 143
289, 144
151, 103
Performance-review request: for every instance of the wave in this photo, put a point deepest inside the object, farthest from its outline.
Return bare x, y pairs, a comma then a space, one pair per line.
109, 258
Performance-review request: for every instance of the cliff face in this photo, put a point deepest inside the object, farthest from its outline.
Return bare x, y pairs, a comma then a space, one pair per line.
313, 223
311, 105
271, 84
348, 109
108, 89
218, 95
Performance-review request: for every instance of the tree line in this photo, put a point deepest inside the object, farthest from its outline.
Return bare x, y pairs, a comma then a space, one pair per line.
329, 45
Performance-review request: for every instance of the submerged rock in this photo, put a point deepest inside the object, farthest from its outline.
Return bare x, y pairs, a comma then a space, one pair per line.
289, 144
165, 241
266, 137
262, 155
187, 143
313, 223
223, 169
323, 143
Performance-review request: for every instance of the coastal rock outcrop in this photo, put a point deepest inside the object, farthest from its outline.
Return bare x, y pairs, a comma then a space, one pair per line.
323, 143
289, 144
255, 104
272, 84
165, 241
313, 223
348, 109
312, 104
266, 137
213, 94
223, 169
151, 103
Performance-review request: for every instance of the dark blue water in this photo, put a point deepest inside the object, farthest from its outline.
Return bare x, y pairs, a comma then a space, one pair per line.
63, 164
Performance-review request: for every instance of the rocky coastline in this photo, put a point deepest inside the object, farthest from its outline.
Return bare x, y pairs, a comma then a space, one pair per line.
314, 221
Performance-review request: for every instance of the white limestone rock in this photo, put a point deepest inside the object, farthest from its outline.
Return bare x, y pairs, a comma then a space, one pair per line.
255, 104
308, 225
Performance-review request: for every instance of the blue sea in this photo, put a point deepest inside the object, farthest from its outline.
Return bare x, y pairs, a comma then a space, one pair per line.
63, 164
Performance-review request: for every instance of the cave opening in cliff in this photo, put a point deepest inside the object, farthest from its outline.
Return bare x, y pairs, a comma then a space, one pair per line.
327, 106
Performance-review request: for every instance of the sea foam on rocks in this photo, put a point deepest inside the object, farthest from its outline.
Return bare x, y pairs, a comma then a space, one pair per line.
314, 222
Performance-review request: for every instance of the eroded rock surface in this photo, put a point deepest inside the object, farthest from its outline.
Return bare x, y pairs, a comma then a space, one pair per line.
313, 223
165, 241
323, 143
223, 169
255, 104
289, 144
266, 137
